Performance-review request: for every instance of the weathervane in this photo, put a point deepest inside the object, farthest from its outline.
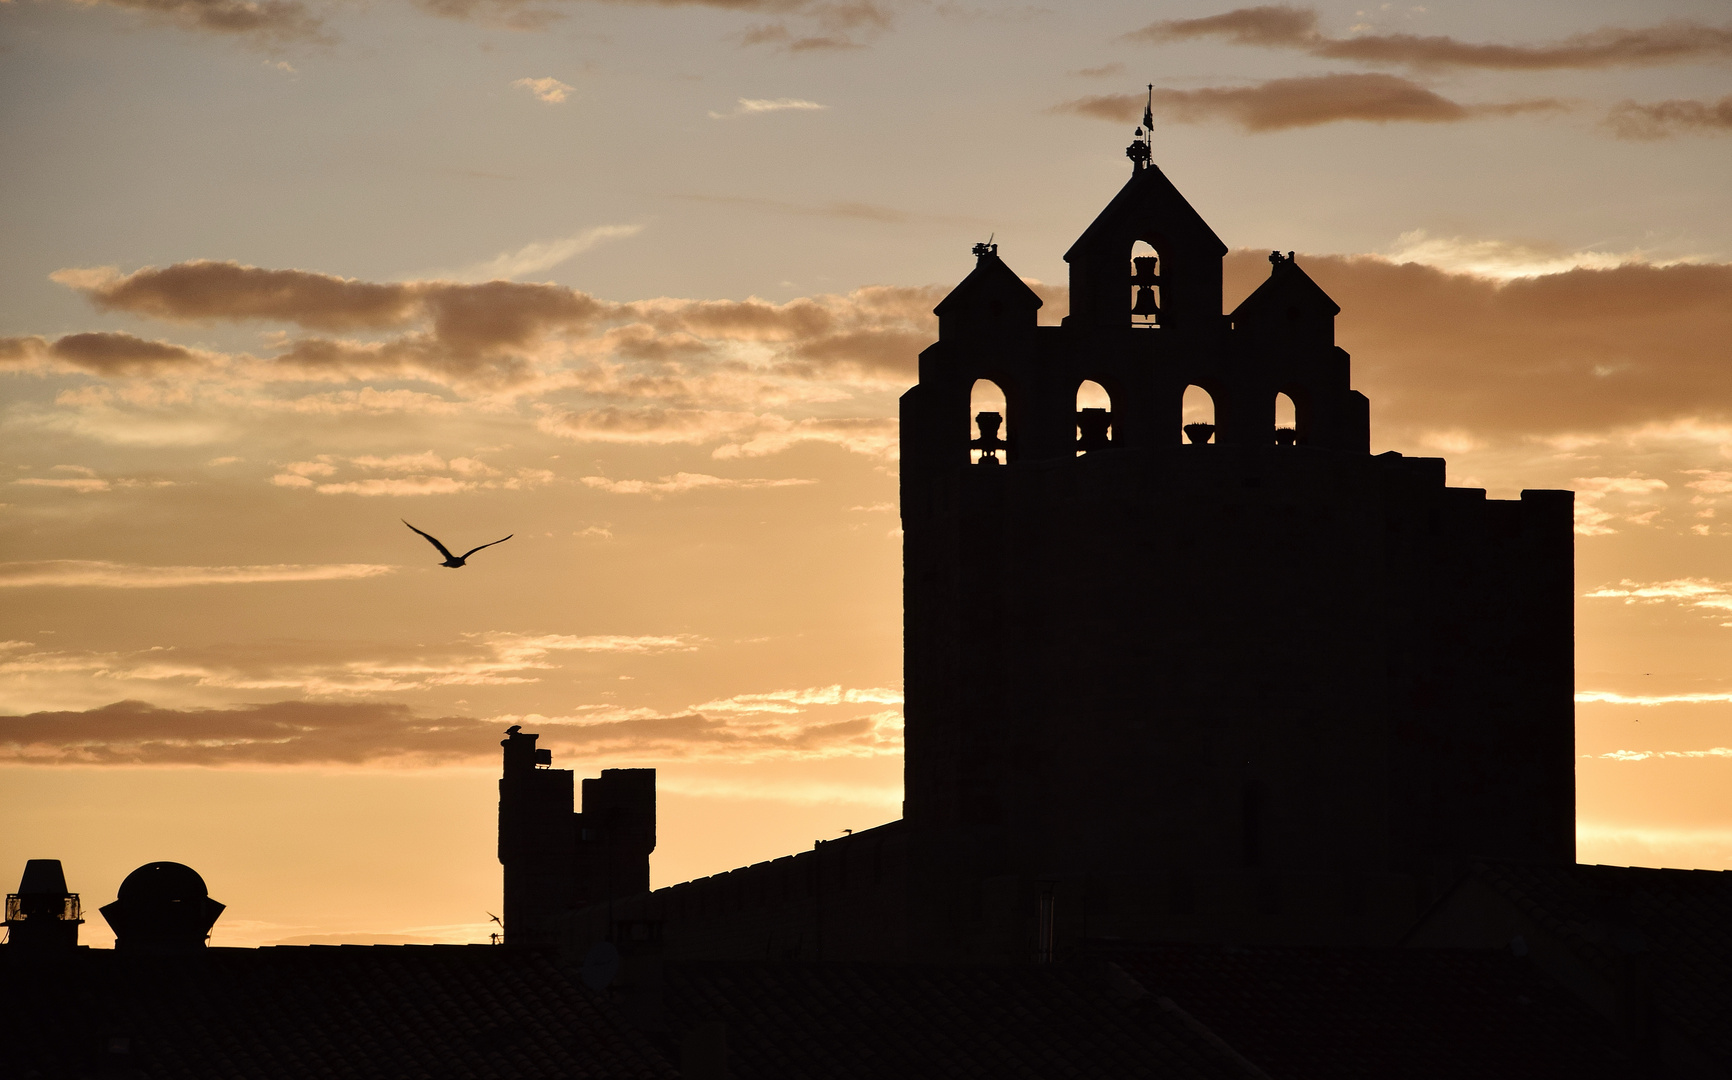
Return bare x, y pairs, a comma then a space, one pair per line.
1141, 150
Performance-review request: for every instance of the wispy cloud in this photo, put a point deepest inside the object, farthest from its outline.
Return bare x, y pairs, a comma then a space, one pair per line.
835, 25
548, 89
424, 473
267, 22
1505, 260
1592, 517
1281, 26
1608, 697
1692, 590
542, 255
1631, 355
743, 434
1647, 755
680, 483
646, 735
1303, 101
84, 573
502, 336
493, 658
84, 481
280, 733
320, 732
99, 352
1663, 119
795, 701
84, 485
1713, 597
754, 106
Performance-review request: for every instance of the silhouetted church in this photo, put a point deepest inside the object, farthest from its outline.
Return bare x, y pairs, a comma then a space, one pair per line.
1231, 683
1233, 752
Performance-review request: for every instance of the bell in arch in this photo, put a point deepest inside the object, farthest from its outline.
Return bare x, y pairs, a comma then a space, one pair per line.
1145, 304
1145, 280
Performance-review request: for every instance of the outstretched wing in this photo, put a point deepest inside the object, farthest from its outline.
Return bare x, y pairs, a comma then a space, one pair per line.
442, 549
473, 550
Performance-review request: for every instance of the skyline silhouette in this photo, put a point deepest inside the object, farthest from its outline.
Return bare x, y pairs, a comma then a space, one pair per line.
256, 313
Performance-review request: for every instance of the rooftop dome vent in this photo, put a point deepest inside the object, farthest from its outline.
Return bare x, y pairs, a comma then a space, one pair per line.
163, 907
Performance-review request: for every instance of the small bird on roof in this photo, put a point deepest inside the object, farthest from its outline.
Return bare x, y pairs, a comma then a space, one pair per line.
455, 561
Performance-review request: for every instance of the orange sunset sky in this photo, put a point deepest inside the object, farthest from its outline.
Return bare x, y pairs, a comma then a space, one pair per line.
640, 283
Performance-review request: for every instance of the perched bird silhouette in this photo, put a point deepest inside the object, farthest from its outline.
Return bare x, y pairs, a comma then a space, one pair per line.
455, 561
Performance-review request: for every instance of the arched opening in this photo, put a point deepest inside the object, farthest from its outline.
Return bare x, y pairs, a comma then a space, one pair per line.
1094, 417
1145, 285
1199, 415
1286, 421
989, 433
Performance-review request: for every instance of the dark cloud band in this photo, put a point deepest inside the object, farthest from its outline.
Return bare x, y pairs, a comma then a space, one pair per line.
1307, 101
1281, 26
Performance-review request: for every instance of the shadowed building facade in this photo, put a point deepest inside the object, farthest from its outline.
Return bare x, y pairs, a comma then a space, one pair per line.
1212, 682
1245, 683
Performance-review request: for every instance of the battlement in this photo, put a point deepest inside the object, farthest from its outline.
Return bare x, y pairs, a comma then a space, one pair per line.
557, 859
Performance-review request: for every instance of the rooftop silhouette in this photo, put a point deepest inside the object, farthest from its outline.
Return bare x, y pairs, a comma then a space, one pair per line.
1168, 678
1232, 750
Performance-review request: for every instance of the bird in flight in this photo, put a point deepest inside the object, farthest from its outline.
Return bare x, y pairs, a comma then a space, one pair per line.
454, 561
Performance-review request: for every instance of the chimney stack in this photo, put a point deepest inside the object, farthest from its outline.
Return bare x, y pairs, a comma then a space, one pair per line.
557, 860
42, 916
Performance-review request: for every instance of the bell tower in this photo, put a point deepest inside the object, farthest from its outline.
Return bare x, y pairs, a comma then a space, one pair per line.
1186, 266
1260, 685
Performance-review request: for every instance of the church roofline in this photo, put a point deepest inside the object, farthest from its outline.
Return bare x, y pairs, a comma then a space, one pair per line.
1145, 187
989, 276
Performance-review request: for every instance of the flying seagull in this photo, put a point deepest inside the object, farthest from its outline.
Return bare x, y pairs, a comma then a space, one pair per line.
454, 561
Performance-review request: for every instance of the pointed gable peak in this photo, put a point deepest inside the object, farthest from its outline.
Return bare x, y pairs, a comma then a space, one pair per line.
1147, 207
991, 291
1287, 289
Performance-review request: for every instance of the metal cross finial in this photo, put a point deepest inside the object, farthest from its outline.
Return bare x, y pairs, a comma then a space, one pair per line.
1141, 151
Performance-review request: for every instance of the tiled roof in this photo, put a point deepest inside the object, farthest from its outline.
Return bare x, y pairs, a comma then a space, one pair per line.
837, 1021
1117, 1010
1304, 1013
313, 1011
1680, 921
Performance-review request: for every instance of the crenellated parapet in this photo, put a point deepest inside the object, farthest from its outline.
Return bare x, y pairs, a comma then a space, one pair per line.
558, 859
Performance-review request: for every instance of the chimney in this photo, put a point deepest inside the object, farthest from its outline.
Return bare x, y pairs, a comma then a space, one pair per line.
616, 832
535, 840
163, 908
42, 916
557, 861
